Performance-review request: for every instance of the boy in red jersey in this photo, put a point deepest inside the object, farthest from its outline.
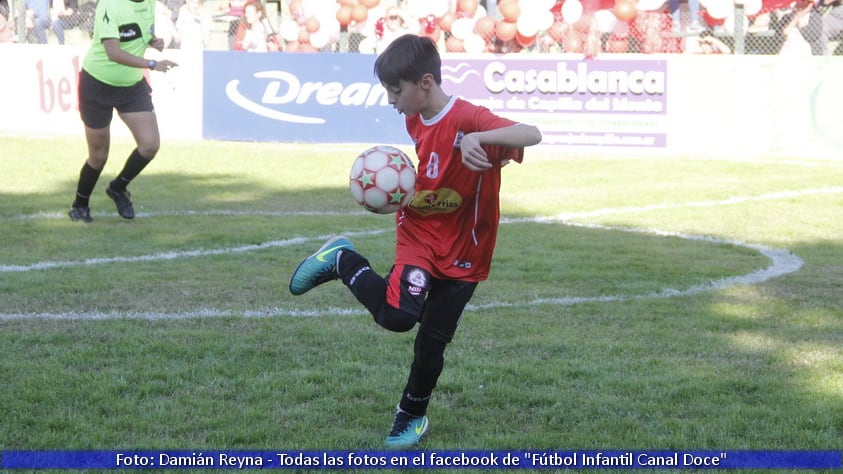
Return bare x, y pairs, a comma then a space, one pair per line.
445, 236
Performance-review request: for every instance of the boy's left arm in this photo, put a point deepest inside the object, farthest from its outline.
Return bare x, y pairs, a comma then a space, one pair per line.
516, 136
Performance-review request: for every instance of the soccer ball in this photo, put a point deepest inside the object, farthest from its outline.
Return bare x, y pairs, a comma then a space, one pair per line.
382, 179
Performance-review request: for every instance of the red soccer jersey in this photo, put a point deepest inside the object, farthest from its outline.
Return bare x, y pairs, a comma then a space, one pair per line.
451, 225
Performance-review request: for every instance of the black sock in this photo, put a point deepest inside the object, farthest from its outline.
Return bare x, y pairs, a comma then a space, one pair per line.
87, 180
134, 165
350, 265
428, 361
367, 286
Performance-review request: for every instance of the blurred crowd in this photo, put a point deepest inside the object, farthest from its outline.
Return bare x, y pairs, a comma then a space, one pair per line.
587, 27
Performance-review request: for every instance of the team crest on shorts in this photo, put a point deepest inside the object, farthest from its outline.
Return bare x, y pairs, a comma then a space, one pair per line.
417, 280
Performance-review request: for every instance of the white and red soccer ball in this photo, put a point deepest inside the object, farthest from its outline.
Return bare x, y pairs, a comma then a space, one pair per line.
382, 179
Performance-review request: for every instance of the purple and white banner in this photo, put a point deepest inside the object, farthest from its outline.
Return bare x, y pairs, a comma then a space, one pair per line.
575, 102
318, 98
325, 98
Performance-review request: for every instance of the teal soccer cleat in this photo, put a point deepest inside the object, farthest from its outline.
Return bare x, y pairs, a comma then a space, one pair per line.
407, 430
321, 267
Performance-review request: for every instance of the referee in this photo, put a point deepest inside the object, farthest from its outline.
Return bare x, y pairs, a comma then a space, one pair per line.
112, 77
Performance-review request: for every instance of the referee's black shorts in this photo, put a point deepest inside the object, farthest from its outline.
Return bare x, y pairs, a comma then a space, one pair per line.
97, 100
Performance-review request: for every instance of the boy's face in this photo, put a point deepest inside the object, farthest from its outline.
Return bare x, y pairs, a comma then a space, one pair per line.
409, 98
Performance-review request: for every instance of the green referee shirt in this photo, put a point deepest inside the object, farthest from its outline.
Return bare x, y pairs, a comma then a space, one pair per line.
132, 22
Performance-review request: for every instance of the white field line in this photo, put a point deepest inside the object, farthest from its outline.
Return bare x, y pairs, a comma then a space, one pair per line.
782, 263
173, 255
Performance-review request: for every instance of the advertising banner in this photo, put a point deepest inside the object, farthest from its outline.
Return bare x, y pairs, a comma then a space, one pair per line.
39, 92
574, 101
320, 98
676, 105
336, 98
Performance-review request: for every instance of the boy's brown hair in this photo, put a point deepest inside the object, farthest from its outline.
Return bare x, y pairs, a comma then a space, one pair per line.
408, 58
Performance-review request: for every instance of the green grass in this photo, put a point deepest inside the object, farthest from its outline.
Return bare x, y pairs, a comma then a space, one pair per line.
176, 330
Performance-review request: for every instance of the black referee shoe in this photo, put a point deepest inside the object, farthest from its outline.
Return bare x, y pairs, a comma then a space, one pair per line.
122, 201
80, 214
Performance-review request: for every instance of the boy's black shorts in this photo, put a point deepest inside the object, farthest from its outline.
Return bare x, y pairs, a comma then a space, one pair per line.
440, 303
97, 100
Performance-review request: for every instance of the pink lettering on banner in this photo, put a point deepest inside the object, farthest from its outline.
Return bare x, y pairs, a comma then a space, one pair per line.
58, 90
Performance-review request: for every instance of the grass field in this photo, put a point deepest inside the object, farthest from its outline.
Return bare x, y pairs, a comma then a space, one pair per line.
634, 303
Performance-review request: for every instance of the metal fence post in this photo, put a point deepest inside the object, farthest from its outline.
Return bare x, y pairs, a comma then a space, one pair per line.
740, 31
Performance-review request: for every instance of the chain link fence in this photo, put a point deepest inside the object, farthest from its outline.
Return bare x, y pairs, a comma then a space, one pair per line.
591, 28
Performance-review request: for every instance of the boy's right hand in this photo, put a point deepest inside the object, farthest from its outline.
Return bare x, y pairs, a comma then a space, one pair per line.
473, 155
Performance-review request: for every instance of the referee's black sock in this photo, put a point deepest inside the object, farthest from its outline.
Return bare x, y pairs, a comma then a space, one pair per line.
87, 180
134, 165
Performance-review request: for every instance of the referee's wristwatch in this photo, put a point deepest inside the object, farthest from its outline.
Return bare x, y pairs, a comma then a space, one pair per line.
151, 64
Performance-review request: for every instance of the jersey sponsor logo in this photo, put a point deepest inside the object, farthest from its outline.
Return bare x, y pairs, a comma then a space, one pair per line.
462, 263
130, 32
440, 201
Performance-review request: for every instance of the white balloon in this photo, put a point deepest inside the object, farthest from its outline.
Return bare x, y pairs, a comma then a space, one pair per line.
289, 30
315, 7
649, 5
367, 45
474, 44
320, 38
571, 11
719, 9
527, 24
606, 20
752, 7
544, 20
422, 8
440, 7
328, 22
481, 12
462, 27
528, 7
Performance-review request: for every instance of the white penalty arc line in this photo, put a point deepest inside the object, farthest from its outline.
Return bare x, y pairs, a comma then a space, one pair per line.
173, 255
782, 263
